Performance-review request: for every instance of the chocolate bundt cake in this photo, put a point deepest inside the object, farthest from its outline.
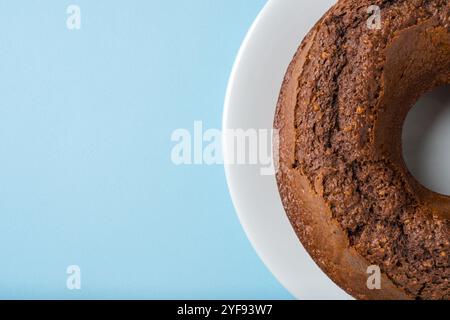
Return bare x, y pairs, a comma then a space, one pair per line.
342, 178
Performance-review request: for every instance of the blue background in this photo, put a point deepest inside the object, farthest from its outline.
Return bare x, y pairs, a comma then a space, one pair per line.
85, 171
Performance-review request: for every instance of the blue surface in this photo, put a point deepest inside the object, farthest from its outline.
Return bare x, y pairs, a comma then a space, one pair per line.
85, 171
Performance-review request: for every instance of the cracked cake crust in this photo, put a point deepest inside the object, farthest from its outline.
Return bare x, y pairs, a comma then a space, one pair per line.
342, 178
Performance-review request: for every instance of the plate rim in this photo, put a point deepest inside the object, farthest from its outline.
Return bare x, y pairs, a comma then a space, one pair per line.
227, 106
264, 255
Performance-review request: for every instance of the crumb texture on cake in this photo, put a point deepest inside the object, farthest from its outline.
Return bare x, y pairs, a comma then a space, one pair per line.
340, 115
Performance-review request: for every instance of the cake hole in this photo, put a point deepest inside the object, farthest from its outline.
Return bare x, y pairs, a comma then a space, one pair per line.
426, 140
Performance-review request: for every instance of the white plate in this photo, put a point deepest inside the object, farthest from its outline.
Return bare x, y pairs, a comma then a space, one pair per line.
250, 103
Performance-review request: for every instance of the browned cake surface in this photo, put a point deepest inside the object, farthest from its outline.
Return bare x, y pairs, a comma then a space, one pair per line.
342, 177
